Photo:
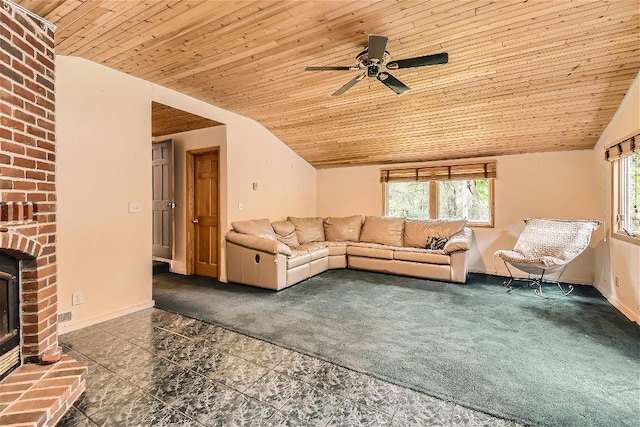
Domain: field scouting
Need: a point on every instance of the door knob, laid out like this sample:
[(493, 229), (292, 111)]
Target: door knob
[(170, 205), (195, 221)]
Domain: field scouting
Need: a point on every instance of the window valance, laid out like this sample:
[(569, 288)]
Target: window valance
[(623, 149), (451, 172)]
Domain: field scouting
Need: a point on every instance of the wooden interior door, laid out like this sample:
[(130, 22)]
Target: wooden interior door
[(206, 212), (162, 204)]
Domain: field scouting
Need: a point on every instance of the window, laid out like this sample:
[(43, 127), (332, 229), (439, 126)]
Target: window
[(629, 199), (408, 199), (626, 190), (449, 191)]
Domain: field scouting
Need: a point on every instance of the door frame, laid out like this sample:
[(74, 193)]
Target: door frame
[(190, 227)]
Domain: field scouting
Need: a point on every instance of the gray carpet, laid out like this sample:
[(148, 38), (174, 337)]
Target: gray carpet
[(563, 361)]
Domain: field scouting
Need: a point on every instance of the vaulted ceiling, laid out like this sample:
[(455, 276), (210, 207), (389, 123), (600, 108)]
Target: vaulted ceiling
[(523, 76), (167, 120)]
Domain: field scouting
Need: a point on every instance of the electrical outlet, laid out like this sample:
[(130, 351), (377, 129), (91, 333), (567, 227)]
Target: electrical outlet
[(616, 282), (76, 298)]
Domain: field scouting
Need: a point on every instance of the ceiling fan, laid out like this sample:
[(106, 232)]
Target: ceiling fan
[(374, 58)]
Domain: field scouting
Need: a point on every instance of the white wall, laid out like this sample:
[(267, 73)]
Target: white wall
[(552, 185), (615, 257), (104, 142), (103, 163), (183, 142), (286, 183)]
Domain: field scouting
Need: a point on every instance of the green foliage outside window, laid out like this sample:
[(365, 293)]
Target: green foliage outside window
[(468, 199), (633, 193), (464, 199), (408, 199)]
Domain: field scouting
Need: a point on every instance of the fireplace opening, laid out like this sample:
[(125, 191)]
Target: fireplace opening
[(9, 314)]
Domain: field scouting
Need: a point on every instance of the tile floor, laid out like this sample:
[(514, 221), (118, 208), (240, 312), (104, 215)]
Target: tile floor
[(155, 368)]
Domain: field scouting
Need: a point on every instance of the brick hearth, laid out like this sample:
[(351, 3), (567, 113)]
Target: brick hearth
[(32, 393), (39, 395)]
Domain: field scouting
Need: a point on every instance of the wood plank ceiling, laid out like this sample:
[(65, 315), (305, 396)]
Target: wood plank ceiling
[(523, 76), (167, 120)]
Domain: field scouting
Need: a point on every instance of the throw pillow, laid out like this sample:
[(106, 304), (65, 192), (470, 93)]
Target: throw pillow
[(308, 229), (436, 243), (342, 229)]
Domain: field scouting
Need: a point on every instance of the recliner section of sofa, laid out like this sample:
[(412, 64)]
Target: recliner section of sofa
[(280, 254)]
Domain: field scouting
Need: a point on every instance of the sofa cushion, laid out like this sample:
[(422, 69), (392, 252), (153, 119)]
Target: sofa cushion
[(255, 227), (342, 229), (315, 249), (298, 258), (286, 233), (425, 256), (308, 229), (364, 251), (417, 231), (337, 248), (283, 227), (382, 230)]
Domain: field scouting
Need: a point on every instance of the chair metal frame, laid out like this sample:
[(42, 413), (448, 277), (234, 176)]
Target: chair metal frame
[(536, 281)]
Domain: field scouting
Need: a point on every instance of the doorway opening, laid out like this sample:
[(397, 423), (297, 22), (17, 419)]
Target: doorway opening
[(172, 225)]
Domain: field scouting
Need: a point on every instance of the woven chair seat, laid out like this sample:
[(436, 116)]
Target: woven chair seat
[(518, 258)]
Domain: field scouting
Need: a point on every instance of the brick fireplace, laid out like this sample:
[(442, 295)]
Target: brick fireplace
[(28, 172), (28, 206)]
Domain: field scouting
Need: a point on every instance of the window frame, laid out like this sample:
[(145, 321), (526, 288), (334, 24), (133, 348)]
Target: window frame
[(433, 202), (619, 200)]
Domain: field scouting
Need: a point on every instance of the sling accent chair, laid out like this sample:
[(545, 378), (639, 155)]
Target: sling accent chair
[(547, 246)]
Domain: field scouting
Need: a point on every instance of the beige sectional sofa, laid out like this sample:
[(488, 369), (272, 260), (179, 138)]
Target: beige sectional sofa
[(283, 253)]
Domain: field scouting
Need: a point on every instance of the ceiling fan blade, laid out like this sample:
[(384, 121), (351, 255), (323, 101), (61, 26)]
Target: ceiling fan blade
[(377, 46), (329, 68), (419, 61), (349, 84), (394, 84)]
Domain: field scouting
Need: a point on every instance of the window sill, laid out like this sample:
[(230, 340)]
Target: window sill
[(625, 237), (480, 225)]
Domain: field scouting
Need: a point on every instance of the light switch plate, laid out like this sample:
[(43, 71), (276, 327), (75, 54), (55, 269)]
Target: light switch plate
[(135, 207)]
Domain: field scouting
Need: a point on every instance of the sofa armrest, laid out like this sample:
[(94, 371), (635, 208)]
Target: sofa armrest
[(460, 241), (258, 243)]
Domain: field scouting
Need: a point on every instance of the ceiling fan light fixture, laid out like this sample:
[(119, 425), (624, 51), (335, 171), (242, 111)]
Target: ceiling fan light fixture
[(375, 57)]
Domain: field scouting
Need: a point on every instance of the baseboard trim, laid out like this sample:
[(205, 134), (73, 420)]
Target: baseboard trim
[(70, 327), (622, 308)]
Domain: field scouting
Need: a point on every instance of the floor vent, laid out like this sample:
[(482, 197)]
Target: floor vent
[(64, 317)]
